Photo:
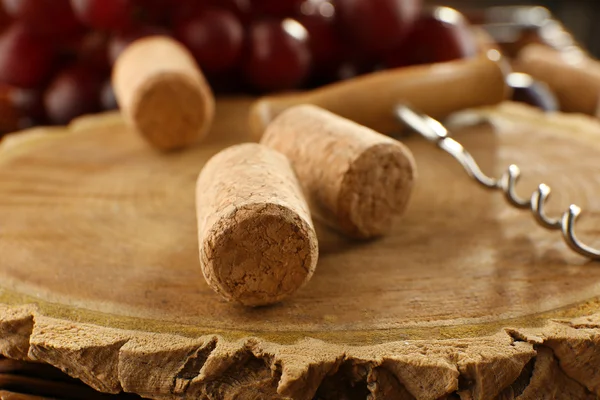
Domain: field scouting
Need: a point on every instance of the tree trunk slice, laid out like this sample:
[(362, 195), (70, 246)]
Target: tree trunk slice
[(468, 298)]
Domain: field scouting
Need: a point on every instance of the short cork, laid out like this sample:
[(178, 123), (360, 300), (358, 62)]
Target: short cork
[(356, 180), (162, 93), (256, 236)]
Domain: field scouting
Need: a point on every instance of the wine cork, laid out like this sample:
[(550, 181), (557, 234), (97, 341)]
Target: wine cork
[(256, 236), (162, 93), (355, 179)]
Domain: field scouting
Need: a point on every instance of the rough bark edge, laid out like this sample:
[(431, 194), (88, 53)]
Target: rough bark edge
[(167, 366)]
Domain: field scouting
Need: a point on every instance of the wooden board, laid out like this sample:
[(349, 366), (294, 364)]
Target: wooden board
[(467, 298)]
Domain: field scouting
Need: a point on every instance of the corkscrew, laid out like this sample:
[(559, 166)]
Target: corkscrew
[(435, 132)]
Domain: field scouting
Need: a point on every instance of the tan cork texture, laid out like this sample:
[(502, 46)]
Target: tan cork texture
[(356, 179), (256, 237), (162, 93)]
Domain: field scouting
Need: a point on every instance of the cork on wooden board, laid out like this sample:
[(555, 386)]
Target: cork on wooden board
[(162, 93), (257, 242), (356, 180)]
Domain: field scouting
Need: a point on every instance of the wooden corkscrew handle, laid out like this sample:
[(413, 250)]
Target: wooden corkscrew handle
[(571, 74), (369, 100)]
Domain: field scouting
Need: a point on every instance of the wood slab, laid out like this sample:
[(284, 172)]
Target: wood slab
[(468, 298)]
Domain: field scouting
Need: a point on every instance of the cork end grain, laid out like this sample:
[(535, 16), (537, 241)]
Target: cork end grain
[(171, 111), (357, 180), (263, 257), (162, 93), (376, 190), (256, 238)]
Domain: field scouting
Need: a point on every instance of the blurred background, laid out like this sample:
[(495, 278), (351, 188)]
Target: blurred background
[(578, 16), (56, 56)]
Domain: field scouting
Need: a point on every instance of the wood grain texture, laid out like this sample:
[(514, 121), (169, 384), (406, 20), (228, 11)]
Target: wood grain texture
[(467, 298)]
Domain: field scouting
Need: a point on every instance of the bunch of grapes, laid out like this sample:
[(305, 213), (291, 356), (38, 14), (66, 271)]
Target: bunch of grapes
[(56, 55)]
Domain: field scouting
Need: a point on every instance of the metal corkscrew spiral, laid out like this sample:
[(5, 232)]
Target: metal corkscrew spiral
[(436, 133)]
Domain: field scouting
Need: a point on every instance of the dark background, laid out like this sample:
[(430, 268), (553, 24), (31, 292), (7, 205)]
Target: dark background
[(581, 17)]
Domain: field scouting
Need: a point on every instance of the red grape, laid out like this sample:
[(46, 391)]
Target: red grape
[(104, 14), (354, 65), (241, 8), (184, 9), (323, 9), (277, 55), (90, 49), (4, 18), (9, 114), (278, 8), (19, 108), (94, 51), (377, 25), (229, 82), (119, 42), (51, 17), (214, 37), (325, 44), (153, 11), (441, 34), (28, 102), (73, 92), (108, 100), (25, 59)]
